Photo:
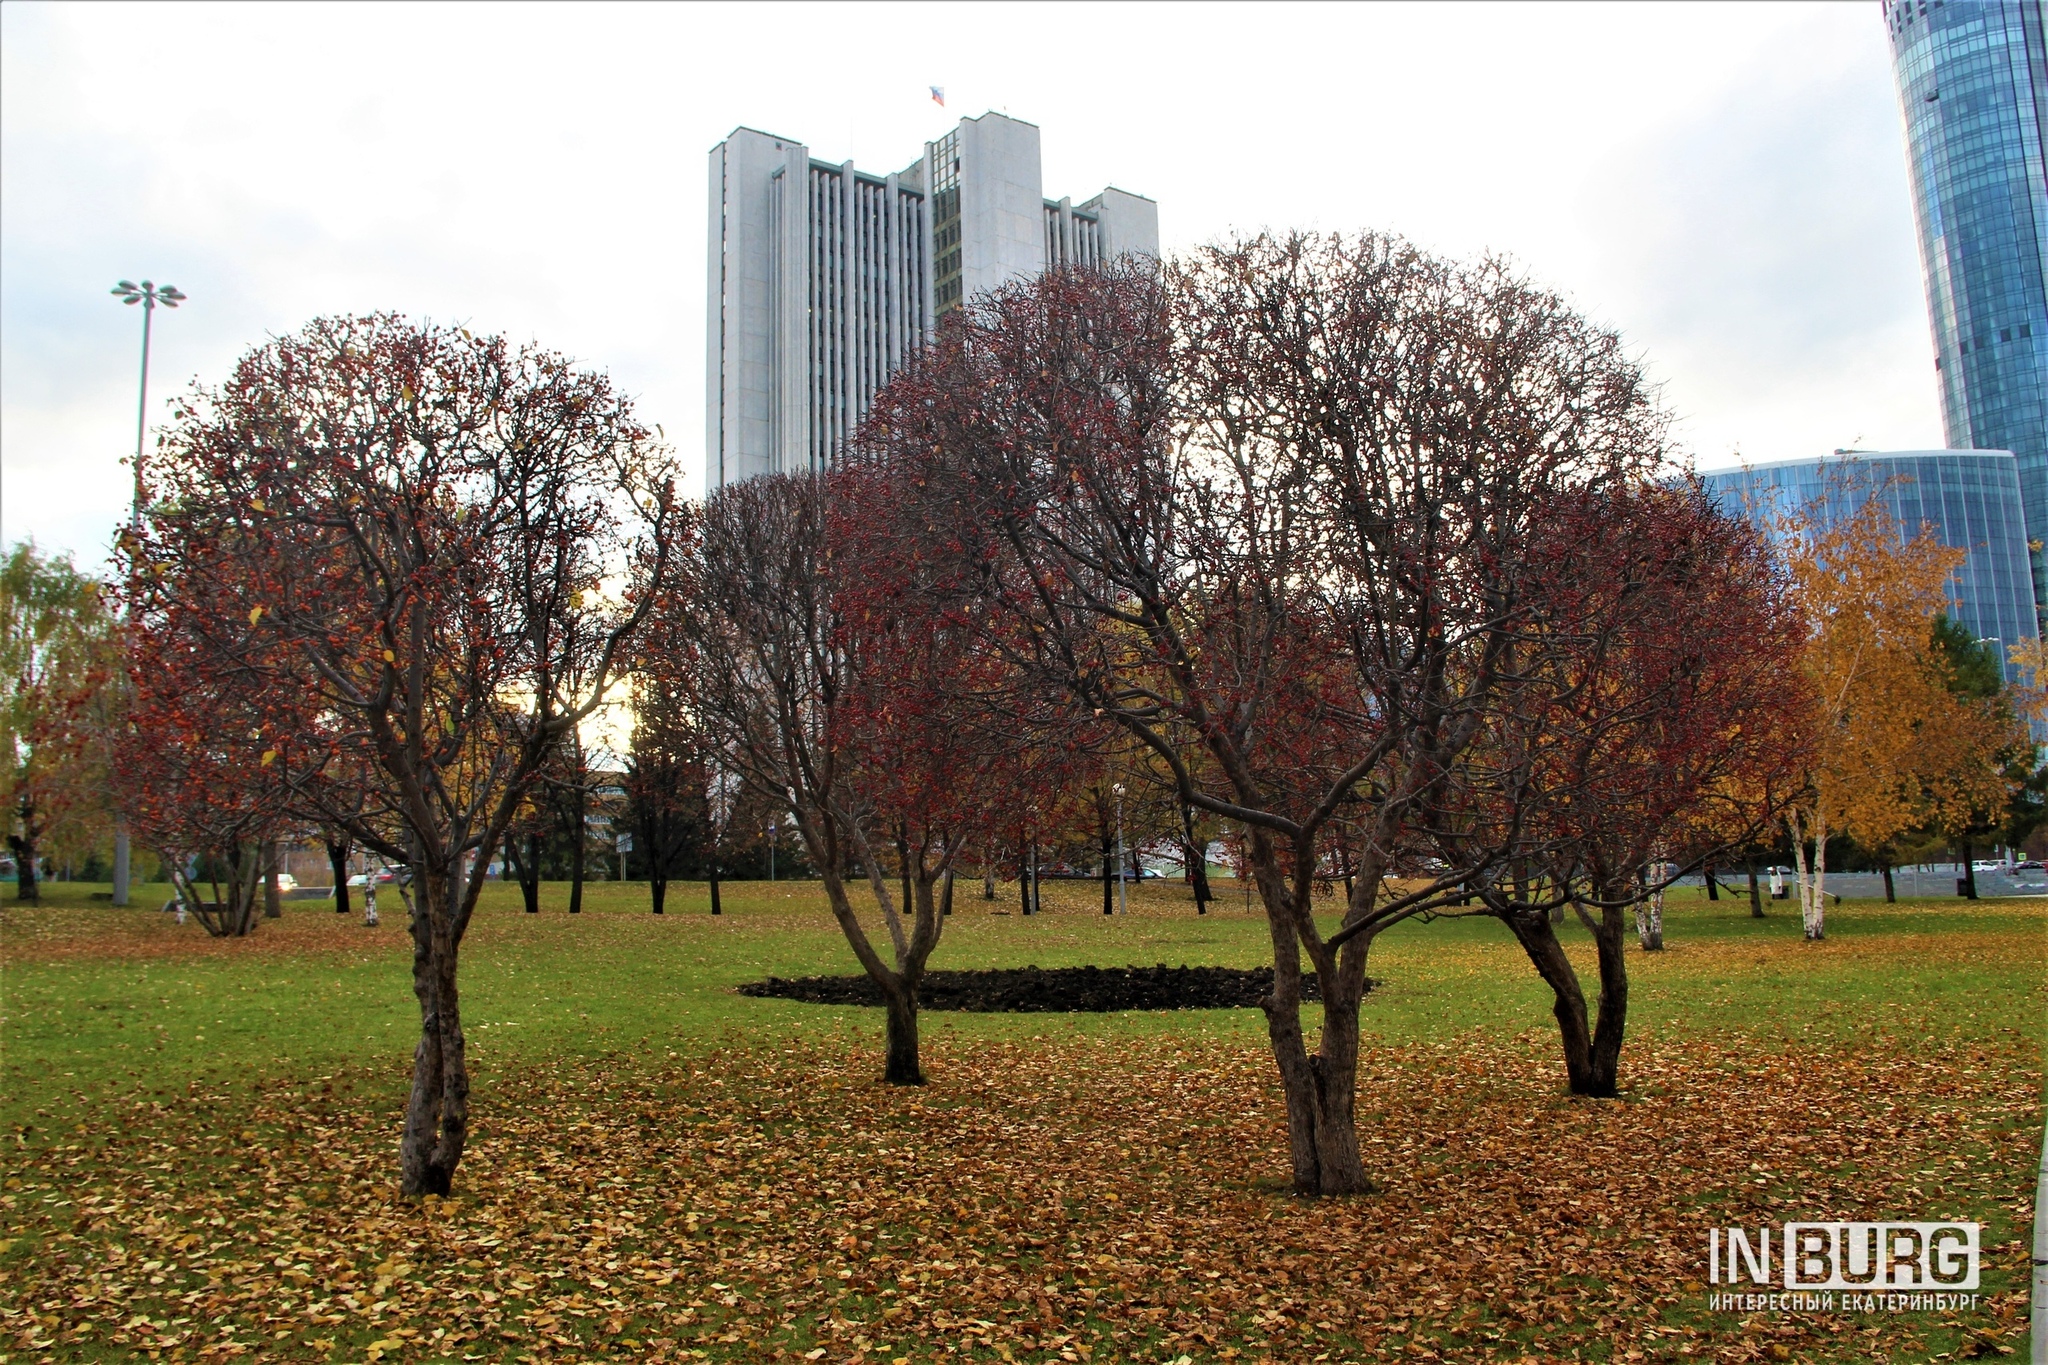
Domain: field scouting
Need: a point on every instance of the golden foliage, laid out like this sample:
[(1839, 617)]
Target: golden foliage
[(1895, 745)]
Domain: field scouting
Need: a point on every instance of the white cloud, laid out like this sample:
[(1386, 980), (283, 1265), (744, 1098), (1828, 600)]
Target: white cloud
[(1723, 183)]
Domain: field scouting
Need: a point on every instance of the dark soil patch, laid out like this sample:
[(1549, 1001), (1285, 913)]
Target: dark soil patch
[(1030, 990)]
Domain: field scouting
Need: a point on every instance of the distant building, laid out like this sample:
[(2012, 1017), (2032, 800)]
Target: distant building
[(822, 277), (1973, 83), (1971, 499)]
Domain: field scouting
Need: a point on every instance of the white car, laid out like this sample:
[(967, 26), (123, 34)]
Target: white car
[(286, 882)]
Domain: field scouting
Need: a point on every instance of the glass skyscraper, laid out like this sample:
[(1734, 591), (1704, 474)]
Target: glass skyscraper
[(1973, 81), (1969, 498)]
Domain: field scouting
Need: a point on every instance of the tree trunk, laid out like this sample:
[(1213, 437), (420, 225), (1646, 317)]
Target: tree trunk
[(716, 908), (337, 858), (1890, 896), (1812, 876), (902, 1067), (120, 858), (271, 908), (576, 850), (1320, 1089), (1756, 894), (24, 847), (1539, 940), (437, 1111), (988, 877), (1290, 1054), (1969, 871), (1334, 1069), (1817, 926), (657, 887), (248, 883), (1713, 887), (1108, 863), (1024, 875), (1613, 1016), (1198, 870), (529, 875), (946, 904), (903, 865), (1650, 922)]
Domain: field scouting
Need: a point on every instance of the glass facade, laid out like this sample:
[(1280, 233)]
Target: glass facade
[(1970, 498), (1973, 84)]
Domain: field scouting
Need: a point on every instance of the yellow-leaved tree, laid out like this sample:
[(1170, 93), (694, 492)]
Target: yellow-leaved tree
[(1894, 744)]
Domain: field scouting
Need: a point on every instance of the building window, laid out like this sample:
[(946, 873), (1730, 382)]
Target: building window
[(946, 287)]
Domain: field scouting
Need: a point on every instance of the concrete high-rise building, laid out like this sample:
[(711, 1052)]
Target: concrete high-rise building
[(1970, 499), (823, 277), (1973, 82)]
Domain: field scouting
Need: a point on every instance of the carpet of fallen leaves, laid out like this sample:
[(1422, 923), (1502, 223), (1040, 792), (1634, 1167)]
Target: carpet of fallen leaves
[(1045, 1199)]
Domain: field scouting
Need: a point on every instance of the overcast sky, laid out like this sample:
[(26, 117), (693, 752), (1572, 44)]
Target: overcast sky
[(1725, 184)]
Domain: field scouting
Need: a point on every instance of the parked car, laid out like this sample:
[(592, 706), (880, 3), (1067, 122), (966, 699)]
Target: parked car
[(286, 882), (385, 877), (2028, 866)]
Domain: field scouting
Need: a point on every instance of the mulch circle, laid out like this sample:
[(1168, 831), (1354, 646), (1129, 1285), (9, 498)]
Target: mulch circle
[(1065, 990)]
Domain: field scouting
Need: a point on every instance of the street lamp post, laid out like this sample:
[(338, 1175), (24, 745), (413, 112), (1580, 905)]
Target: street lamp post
[(1122, 905), (149, 296)]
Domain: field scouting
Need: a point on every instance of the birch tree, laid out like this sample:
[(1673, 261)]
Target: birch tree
[(1869, 603)]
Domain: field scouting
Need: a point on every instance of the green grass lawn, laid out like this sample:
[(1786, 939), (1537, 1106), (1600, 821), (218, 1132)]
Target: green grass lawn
[(97, 995), (118, 1023)]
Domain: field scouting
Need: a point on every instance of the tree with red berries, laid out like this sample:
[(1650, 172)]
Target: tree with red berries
[(822, 685), (1274, 507), (439, 548), (1651, 718)]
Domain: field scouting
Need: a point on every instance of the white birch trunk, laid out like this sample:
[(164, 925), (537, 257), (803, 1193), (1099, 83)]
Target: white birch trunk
[(1801, 873), (1816, 921), (1812, 876), (1650, 922)]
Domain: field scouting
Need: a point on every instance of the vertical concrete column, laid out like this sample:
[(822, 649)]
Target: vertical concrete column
[(849, 363)]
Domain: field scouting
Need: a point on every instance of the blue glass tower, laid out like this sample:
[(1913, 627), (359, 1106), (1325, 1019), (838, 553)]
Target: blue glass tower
[(1973, 81), (1968, 498)]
